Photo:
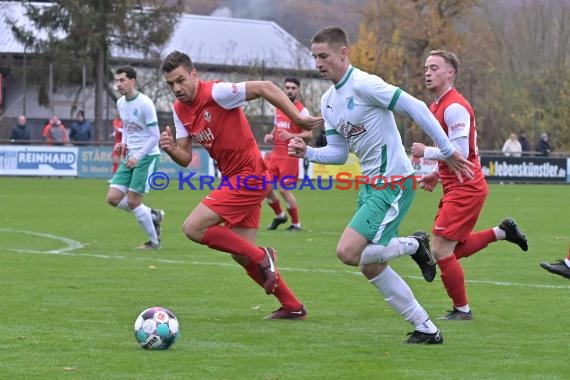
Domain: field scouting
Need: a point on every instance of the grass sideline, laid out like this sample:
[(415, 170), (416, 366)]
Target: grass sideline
[(70, 314)]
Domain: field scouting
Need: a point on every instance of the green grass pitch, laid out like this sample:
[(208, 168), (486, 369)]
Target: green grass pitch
[(67, 311)]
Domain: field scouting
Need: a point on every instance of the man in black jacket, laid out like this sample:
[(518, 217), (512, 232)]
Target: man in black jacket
[(20, 134)]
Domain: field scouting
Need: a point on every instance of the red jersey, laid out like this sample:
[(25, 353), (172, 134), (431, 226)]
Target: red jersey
[(283, 123), (448, 178), (224, 133), (117, 130)]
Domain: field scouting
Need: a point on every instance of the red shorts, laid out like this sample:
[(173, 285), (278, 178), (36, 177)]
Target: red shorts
[(457, 214), (281, 167), (236, 205)]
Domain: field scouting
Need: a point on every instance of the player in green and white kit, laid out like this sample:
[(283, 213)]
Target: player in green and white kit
[(357, 111), (140, 143)]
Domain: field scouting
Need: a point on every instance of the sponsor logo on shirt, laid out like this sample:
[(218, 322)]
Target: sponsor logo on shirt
[(348, 130), (133, 127), (282, 124), (204, 137)]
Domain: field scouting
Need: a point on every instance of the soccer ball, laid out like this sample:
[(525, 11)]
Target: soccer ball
[(156, 328)]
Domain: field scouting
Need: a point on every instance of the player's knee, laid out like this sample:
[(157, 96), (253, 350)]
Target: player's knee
[(441, 248), (113, 200), (347, 256), (191, 232)]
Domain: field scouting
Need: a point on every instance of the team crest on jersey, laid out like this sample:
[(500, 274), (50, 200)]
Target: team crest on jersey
[(207, 116), (135, 112), (350, 102), (349, 130)]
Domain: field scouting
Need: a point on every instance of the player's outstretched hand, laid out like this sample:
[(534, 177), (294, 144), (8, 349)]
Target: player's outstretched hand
[(429, 181), (297, 147), (166, 141), (460, 166)]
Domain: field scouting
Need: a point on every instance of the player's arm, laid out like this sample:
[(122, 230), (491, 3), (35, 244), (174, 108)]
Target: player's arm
[(181, 150), (458, 120), (304, 134), (273, 94), (334, 153), (418, 111)]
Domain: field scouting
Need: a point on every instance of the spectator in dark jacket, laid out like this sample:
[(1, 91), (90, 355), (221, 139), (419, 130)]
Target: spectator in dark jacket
[(80, 131), (525, 146), (20, 134), (543, 146)]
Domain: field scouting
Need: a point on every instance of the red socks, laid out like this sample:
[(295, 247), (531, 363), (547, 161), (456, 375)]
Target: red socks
[(294, 212), (474, 243), (453, 279), (223, 239), (276, 207), (282, 292)]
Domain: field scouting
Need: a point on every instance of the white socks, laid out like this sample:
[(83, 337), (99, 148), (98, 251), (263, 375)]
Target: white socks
[(375, 253), (499, 233), (464, 308), (399, 295), (144, 217)]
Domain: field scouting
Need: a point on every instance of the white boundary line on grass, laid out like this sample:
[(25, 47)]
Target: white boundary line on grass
[(73, 245)]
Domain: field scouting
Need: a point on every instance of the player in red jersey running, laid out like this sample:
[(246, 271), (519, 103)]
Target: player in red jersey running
[(118, 137), (209, 113), (461, 203), (281, 166)]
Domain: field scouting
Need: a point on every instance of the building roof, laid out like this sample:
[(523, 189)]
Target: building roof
[(208, 40)]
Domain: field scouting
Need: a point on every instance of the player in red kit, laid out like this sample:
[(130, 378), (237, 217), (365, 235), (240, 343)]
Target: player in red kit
[(282, 166), (117, 136), (461, 203), (227, 219)]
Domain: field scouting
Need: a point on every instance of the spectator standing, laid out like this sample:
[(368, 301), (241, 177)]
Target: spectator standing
[(55, 132), (524, 143), (543, 145), (81, 130), (512, 146), (20, 133)]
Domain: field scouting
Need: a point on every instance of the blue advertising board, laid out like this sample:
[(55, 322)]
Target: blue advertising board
[(96, 162), (26, 160)]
